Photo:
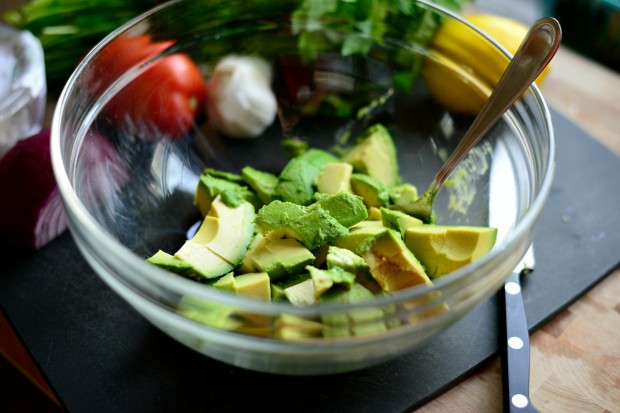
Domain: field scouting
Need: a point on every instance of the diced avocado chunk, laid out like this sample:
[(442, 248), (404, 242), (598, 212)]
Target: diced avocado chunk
[(363, 321), (345, 259), (313, 227), (372, 191), (281, 257), (301, 294), (221, 241), (229, 176), (346, 208), (256, 285), (204, 261), (277, 215), (296, 181), (263, 183), (294, 147), (374, 213), (211, 314), (374, 154), (209, 187), (398, 221), (359, 234), (323, 280), (403, 194), (443, 249), (335, 178), (292, 327), (173, 264), (227, 282), (392, 264)]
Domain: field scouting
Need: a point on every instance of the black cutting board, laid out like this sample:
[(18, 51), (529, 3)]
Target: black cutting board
[(100, 355)]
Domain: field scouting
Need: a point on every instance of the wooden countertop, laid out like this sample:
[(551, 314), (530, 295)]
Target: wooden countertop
[(575, 358)]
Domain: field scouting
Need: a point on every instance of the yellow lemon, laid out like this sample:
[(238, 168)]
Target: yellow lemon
[(465, 67)]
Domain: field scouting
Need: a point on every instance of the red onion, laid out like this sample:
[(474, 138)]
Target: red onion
[(31, 210)]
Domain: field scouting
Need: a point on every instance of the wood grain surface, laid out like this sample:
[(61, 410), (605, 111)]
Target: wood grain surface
[(575, 358)]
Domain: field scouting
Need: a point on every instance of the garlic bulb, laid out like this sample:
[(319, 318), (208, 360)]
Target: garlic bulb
[(240, 102)]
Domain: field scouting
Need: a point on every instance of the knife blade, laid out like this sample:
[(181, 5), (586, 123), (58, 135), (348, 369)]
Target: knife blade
[(514, 343)]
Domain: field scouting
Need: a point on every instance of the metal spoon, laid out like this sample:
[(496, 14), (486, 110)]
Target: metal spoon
[(534, 54)]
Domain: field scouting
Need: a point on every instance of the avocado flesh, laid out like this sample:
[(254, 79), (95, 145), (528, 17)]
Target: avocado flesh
[(221, 241), (315, 225), (281, 258), (346, 208), (226, 282), (403, 194), (301, 294), (359, 234), (323, 280), (335, 178), (256, 285), (345, 259), (443, 249), (173, 264), (374, 154), (398, 221), (292, 327), (263, 183), (209, 187), (356, 322), (296, 181), (211, 314), (372, 191), (392, 264)]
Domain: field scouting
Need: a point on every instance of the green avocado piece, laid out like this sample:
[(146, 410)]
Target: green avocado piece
[(316, 228), (209, 187), (292, 327), (403, 194), (345, 259), (372, 191), (294, 147), (374, 213), (204, 261), (281, 257), (221, 241), (296, 181), (392, 264), (277, 215), (313, 226), (215, 315), (263, 183), (173, 264), (334, 178), (443, 249), (256, 285), (374, 154), (323, 280), (229, 176), (359, 234), (346, 208), (227, 282), (398, 221), (363, 321), (301, 294)]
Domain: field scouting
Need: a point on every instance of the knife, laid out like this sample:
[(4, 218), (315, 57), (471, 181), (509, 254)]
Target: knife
[(515, 341), (514, 338)]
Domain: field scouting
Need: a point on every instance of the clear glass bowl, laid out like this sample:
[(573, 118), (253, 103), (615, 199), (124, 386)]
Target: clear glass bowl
[(126, 196)]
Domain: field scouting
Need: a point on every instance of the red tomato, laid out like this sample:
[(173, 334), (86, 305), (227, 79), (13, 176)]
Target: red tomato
[(164, 99)]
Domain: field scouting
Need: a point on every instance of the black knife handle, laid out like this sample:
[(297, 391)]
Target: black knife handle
[(516, 349)]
